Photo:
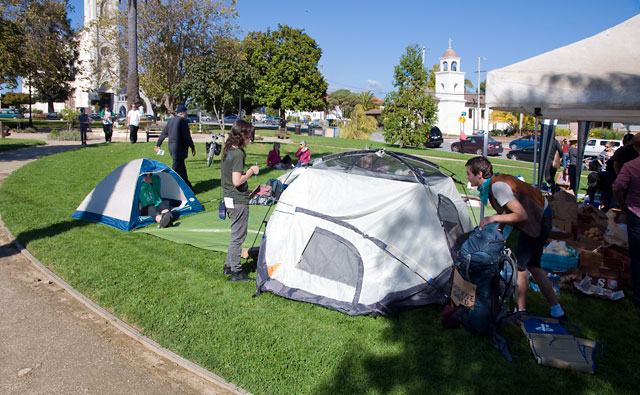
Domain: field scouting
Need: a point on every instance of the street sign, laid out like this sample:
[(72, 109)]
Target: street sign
[(464, 114), (461, 119)]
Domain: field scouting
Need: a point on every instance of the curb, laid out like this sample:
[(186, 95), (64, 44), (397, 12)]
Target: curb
[(123, 326)]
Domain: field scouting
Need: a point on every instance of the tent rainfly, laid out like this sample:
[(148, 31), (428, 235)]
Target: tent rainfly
[(364, 232), (114, 201)]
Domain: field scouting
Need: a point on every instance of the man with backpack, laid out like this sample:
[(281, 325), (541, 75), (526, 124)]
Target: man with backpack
[(522, 206)]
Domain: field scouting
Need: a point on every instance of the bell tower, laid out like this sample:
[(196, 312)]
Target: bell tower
[(450, 92)]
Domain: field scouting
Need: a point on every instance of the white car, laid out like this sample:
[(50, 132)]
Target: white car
[(595, 146)]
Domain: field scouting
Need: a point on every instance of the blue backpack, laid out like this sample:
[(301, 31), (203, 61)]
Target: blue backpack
[(484, 262)]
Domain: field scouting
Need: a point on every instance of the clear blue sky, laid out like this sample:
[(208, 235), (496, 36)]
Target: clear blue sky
[(362, 41)]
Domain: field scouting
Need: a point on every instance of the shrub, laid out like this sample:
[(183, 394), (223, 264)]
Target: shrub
[(65, 135), (607, 134), (563, 132)]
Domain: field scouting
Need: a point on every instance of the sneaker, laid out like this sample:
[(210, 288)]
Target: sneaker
[(239, 276), (165, 220), (226, 270), (563, 319)]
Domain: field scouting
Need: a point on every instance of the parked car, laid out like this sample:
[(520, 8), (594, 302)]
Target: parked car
[(315, 123), (193, 118), (151, 118), (272, 121), (53, 116), (230, 118), (524, 154), (95, 116), (522, 142), (474, 144), (435, 138), (595, 146), (10, 113)]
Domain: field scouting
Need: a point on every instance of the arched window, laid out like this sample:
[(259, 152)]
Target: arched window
[(454, 66), (445, 66)]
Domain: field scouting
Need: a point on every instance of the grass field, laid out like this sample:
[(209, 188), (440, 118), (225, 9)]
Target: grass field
[(177, 295)]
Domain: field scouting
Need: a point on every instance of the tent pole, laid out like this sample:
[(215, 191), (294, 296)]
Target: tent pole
[(535, 150)]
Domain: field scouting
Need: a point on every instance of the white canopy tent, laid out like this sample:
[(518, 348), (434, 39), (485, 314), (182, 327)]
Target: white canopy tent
[(596, 79)]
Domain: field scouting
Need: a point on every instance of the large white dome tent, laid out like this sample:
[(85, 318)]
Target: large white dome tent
[(364, 232)]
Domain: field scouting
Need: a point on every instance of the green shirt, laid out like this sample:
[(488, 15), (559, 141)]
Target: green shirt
[(150, 192), (234, 162)]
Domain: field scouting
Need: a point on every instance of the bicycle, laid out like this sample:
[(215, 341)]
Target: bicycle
[(214, 147)]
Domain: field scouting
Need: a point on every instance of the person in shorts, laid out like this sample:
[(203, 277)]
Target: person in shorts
[(524, 207)]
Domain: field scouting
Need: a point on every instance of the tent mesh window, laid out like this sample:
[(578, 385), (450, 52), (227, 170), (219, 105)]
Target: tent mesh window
[(332, 257), (448, 213), (380, 164)]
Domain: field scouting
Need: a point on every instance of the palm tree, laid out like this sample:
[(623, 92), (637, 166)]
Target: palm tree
[(133, 82), (366, 100)]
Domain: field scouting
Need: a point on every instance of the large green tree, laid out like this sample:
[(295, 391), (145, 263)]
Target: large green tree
[(287, 62), (15, 99), (216, 80), (170, 33), (49, 61), (343, 99), (11, 46), (409, 111)]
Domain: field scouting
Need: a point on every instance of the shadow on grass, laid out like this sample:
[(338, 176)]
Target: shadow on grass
[(27, 237), (430, 359)]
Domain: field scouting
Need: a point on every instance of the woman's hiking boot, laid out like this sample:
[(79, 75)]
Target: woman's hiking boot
[(239, 276)]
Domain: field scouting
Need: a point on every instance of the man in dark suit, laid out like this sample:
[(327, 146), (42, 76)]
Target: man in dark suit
[(177, 129)]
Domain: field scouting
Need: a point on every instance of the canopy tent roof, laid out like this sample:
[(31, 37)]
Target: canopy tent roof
[(596, 79)]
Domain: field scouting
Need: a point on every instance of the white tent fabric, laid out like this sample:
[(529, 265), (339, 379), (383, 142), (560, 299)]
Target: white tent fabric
[(596, 79), (114, 201), (356, 243)]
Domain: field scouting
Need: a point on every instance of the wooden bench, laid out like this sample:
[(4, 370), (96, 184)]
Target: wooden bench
[(152, 132)]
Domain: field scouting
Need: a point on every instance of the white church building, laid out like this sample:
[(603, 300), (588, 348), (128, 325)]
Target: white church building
[(99, 81), (457, 110)]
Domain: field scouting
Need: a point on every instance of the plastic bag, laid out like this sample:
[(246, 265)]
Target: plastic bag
[(616, 233)]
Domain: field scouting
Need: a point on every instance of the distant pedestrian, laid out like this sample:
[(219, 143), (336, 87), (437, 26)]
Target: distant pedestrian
[(133, 121), (83, 120), (107, 123), (565, 153), (177, 129)]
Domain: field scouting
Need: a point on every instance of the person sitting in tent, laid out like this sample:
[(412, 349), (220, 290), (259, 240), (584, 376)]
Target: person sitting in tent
[(274, 160), (303, 154), (151, 203)]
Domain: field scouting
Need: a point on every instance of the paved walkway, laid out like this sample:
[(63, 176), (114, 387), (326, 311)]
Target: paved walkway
[(55, 342)]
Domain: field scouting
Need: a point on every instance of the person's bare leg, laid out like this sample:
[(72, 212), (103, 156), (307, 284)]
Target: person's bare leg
[(522, 290), (545, 285)]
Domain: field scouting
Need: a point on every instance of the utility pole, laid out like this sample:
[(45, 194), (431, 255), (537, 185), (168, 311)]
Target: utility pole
[(478, 117)]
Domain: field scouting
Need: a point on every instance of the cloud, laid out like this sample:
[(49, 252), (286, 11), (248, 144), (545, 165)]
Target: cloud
[(373, 85)]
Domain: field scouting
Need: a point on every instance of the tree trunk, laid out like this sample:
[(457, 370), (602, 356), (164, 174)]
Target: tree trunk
[(133, 83)]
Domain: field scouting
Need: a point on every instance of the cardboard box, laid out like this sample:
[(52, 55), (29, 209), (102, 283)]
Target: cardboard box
[(606, 278)]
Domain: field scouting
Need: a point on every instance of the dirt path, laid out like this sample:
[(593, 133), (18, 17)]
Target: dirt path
[(53, 343)]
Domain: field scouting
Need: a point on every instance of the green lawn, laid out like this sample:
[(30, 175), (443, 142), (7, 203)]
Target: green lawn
[(8, 144), (177, 295)]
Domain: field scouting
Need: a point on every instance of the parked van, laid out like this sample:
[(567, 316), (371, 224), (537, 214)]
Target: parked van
[(595, 146)]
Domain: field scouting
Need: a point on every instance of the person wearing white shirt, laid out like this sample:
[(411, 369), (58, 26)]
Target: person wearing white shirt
[(133, 121)]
